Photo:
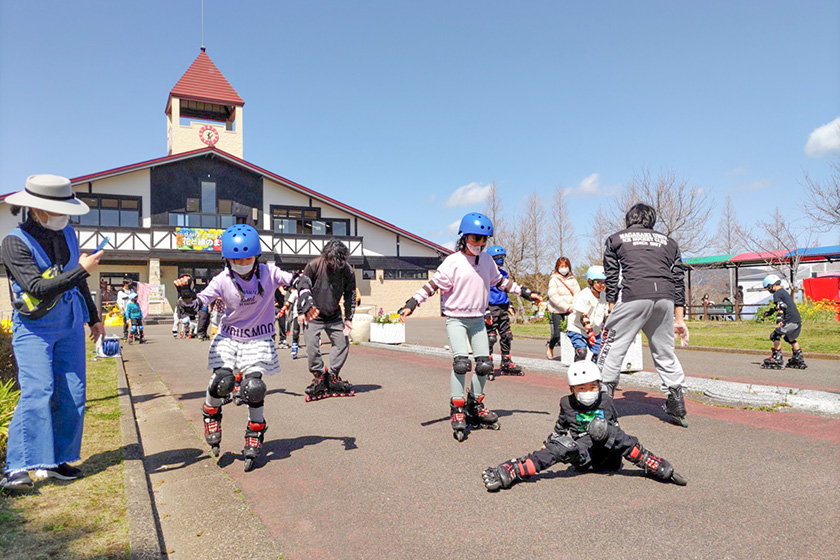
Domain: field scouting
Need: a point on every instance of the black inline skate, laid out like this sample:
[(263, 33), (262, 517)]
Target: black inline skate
[(775, 361), (213, 427), (317, 390), (458, 418), (508, 473), (338, 387), (654, 466), (478, 416), (797, 361), (254, 434), (509, 367), (675, 406)]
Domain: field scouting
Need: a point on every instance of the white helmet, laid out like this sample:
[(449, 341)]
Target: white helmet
[(582, 372), (770, 280)]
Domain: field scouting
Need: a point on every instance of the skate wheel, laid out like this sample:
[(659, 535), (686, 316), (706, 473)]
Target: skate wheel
[(249, 464), (237, 401), (460, 435), (678, 479), (681, 422), (495, 426), (214, 450)]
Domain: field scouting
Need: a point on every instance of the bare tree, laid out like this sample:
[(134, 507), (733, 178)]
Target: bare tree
[(822, 199), (494, 209), (778, 237), (562, 240), (531, 226), (682, 212), (601, 228), (729, 237)]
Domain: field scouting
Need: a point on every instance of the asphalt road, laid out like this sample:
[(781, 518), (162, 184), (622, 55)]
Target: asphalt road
[(379, 475)]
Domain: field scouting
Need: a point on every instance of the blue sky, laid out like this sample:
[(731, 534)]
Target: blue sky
[(393, 106)]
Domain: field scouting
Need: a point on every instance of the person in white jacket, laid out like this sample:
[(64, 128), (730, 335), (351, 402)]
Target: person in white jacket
[(562, 289), (588, 315)]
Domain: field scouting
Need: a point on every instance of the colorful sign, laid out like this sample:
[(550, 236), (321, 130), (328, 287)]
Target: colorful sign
[(195, 239), (157, 294)]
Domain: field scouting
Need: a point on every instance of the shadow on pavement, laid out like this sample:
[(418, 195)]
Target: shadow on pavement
[(499, 413), (639, 403), (279, 449), (166, 461)]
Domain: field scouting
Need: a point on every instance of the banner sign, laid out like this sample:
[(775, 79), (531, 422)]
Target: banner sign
[(157, 294), (195, 239)]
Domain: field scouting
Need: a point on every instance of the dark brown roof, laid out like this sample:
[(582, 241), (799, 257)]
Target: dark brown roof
[(204, 82)]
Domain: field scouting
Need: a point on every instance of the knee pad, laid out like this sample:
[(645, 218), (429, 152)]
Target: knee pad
[(775, 335), (483, 365), (492, 338), (603, 432), (253, 391), (564, 448), (580, 354), (461, 365), (789, 340), (221, 383)]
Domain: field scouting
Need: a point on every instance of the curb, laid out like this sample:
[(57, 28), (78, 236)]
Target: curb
[(724, 392), (143, 531)]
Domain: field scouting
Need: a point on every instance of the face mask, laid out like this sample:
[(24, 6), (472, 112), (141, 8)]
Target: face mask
[(500, 261), (563, 271), (56, 223), (474, 249), (587, 398), (242, 269)]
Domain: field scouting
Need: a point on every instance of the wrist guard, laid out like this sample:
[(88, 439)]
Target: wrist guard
[(410, 304)]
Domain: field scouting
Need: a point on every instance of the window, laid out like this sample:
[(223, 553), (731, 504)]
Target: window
[(208, 197), (368, 274), (207, 212), (303, 220), (405, 274), (109, 211)]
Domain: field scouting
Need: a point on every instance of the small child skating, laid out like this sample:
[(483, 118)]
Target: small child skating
[(788, 326), (244, 342), (291, 311), (332, 279), (123, 298), (586, 435), (589, 312), (134, 320), (464, 280), (497, 317)]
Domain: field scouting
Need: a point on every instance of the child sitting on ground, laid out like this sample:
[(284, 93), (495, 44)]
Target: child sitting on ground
[(586, 435), (589, 312)]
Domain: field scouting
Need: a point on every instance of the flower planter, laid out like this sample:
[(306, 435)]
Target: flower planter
[(387, 333)]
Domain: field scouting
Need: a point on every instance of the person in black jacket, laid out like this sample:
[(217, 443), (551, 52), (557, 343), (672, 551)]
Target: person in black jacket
[(332, 279), (52, 302), (586, 435), (649, 297)]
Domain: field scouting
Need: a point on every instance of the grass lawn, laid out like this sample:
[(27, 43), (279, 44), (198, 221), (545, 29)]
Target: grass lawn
[(85, 518), (820, 336)]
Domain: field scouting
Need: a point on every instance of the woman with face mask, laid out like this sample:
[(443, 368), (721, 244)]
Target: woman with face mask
[(562, 289), (52, 302), (464, 279)]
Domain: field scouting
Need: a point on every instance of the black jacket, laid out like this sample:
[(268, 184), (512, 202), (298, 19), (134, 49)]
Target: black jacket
[(21, 265), (574, 417), (643, 264), (329, 286)]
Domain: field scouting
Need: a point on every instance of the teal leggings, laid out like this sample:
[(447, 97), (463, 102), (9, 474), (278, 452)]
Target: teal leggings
[(465, 333)]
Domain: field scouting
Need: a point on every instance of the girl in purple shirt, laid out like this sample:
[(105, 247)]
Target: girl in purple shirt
[(244, 343), (464, 279)]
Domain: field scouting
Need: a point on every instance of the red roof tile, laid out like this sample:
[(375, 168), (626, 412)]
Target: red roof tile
[(204, 82)]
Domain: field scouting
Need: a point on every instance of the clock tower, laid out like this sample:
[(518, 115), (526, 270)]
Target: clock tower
[(204, 110)]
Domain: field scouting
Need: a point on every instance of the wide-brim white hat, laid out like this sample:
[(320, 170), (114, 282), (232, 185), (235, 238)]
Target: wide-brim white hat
[(51, 193)]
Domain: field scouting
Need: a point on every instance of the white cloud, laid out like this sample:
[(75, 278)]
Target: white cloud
[(740, 170), (474, 193), (591, 186), (449, 245), (454, 227), (824, 140), (754, 186)]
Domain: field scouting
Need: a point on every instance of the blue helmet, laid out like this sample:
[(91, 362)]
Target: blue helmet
[(770, 280), (476, 224), (496, 251), (241, 241), (595, 272)]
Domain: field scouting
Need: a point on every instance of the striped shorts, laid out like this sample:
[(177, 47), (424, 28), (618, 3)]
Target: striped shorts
[(244, 356)]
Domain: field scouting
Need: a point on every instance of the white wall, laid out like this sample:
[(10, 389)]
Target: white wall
[(136, 183)]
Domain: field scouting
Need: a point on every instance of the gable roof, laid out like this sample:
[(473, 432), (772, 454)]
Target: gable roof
[(204, 82), (215, 152)]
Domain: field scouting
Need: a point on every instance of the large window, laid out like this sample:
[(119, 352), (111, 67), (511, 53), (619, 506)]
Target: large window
[(110, 211), (212, 212), (303, 220)]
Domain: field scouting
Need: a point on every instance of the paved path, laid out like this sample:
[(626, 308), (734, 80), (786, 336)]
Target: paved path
[(380, 476)]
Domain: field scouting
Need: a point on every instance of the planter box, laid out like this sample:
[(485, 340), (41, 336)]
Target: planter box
[(632, 361), (387, 333)]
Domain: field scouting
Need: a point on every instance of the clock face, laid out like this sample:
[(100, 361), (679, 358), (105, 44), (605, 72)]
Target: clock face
[(208, 134)]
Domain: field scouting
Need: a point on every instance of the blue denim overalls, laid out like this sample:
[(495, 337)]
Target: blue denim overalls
[(46, 429)]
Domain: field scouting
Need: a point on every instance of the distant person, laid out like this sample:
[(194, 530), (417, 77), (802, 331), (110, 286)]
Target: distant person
[(739, 302), (788, 326), (588, 314), (650, 298), (52, 302), (727, 309), (134, 320), (123, 297), (497, 317), (562, 289)]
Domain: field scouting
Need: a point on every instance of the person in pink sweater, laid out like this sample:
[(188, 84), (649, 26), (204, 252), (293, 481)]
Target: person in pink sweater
[(464, 280)]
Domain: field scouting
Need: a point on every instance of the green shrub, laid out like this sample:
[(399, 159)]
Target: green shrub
[(8, 366), (759, 314), (8, 400)]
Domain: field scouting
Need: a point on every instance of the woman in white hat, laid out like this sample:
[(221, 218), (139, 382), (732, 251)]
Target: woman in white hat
[(52, 303)]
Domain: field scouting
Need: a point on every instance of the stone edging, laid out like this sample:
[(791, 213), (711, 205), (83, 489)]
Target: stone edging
[(143, 532)]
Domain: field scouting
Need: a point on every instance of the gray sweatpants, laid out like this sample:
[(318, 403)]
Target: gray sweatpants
[(340, 345), (656, 320)]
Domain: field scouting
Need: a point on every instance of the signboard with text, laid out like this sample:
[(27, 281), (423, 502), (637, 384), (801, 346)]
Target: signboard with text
[(197, 239)]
